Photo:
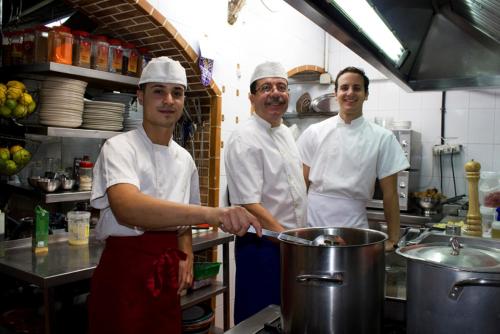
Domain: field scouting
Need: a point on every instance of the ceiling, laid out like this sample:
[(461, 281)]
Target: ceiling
[(452, 44)]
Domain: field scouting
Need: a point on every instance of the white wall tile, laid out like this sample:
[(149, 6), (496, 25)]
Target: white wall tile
[(457, 99), (430, 125), (482, 99), (456, 121), (431, 100), (482, 153), (481, 126), (497, 125), (409, 100), (496, 158), (389, 96)]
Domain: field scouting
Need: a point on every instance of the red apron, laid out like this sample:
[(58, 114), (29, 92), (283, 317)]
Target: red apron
[(134, 287)]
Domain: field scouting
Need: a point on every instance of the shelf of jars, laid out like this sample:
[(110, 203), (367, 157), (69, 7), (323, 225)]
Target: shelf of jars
[(90, 75)]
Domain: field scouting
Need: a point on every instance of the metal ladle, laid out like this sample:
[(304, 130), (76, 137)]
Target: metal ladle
[(324, 240)]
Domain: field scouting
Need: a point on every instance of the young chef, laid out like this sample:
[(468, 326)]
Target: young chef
[(264, 175), (146, 187), (342, 158)]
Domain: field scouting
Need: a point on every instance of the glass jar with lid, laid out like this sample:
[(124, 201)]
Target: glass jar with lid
[(61, 45), (6, 48), (132, 67), (41, 44), (100, 53), (115, 58), (16, 44), (29, 46), (144, 58), (85, 175), (82, 48)]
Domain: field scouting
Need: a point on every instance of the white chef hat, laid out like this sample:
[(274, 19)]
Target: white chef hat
[(269, 69), (164, 70)]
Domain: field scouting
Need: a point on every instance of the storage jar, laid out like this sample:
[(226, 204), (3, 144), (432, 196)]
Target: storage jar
[(115, 58), (78, 227), (100, 53), (61, 45), (16, 45), (82, 48), (41, 44), (29, 46), (6, 48)]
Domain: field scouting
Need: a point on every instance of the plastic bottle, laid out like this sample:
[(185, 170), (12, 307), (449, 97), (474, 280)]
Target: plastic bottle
[(495, 227)]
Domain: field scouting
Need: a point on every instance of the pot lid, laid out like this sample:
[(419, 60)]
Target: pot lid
[(464, 257)]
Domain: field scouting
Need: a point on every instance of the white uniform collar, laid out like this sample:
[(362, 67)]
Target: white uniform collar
[(265, 124), (148, 140), (355, 123)]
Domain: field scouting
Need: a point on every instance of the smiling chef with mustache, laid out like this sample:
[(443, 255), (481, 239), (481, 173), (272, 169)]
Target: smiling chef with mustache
[(264, 175), (344, 155)]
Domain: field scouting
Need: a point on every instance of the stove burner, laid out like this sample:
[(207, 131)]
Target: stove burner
[(271, 327)]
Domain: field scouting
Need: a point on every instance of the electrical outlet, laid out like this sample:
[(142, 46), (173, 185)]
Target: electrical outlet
[(446, 149)]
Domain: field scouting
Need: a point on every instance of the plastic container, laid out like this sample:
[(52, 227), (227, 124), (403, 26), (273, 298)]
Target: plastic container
[(100, 53), (489, 189), (132, 67), (487, 217), (78, 227), (82, 48), (41, 44), (61, 45), (495, 227), (85, 175), (29, 46), (115, 58)]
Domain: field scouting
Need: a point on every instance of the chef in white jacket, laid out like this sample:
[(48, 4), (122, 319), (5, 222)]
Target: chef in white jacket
[(342, 158), (264, 175)]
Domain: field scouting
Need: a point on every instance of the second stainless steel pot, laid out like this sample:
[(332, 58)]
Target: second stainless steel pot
[(452, 288), (333, 289)]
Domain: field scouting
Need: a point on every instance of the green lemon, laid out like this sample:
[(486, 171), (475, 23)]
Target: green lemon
[(31, 107), (4, 153), (20, 111), (14, 148), (10, 167), (10, 103), (4, 111), (22, 157)]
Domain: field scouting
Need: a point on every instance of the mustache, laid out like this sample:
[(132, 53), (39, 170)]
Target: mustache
[(275, 99)]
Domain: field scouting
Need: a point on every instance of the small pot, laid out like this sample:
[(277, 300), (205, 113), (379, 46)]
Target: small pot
[(452, 288)]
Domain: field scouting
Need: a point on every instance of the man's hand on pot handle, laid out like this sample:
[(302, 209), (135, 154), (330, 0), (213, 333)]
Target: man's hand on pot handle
[(236, 220)]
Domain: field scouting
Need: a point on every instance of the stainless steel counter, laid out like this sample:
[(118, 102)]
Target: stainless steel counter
[(406, 218), (66, 263)]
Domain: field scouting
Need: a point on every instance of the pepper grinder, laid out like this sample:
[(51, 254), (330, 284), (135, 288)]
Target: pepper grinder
[(473, 224)]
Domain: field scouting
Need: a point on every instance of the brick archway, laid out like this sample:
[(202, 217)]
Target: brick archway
[(138, 22)]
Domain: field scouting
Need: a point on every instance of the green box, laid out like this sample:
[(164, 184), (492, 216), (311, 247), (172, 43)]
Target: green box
[(204, 270)]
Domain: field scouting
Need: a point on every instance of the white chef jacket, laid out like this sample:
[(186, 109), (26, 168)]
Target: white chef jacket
[(263, 166), (344, 160), (164, 172)]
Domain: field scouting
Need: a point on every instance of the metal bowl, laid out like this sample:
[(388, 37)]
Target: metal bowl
[(49, 185), (428, 202), (33, 181), (67, 184)]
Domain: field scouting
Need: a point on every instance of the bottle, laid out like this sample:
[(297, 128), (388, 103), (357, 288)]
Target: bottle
[(85, 178), (495, 227)]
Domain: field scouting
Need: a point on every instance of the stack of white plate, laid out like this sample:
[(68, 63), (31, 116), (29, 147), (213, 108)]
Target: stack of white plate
[(131, 124), (102, 115), (117, 97), (61, 102)]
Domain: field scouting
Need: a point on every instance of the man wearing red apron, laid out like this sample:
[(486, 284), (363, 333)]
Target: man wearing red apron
[(147, 189)]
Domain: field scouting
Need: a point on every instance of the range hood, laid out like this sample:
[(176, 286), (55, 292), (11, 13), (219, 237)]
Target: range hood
[(452, 44)]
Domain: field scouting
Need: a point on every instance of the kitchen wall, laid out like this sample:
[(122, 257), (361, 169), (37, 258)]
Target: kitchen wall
[(272, 30)]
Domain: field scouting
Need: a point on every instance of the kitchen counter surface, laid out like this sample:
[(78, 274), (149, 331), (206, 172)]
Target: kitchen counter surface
[(407, 218)]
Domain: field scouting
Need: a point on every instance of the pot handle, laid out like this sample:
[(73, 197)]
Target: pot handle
[(335, 278), (457, 288)]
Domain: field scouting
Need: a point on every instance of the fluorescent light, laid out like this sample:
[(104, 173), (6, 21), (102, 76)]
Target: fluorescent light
[(367, 20), (57, 22)]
